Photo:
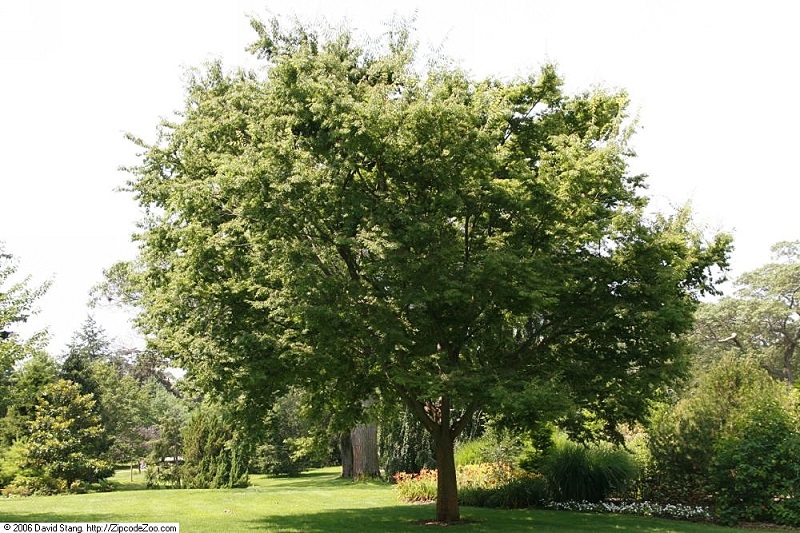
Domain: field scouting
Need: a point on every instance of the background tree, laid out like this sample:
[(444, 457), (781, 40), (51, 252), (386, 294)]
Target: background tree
[(364, 444), (165, 438), (124, 384), (216, 452), (26, 383), (167, 447), (17, 300), (404, 445), (760, 320), (372, 231), (67, 440), (88, 345), (149, 366), (730, 441), (25, 386), (17, 305), (291, 441), (126, 408)]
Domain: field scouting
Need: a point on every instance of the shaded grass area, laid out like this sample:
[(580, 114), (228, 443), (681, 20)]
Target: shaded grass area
[(318, 501)]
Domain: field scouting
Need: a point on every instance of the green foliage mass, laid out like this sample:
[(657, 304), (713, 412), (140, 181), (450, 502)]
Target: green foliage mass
[(403, 444), (132, 393), (168, 444), (17, 305), (579, 472), (25, 384), (88, 345), (347, 219), (760, 320), (755, 471), (11, 460), (67, 440), (127, 408), (290, 441), (731, 441), (216, 452), (353, 224), (494, 446)]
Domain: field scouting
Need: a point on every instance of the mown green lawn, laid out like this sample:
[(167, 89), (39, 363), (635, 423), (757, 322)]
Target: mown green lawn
[(318, 501)]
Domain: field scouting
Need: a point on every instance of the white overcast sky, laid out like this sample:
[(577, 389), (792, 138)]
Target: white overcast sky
[(715, 85)]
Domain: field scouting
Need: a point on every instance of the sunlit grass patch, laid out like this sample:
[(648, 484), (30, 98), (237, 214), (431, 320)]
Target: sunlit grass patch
[(318, 501)]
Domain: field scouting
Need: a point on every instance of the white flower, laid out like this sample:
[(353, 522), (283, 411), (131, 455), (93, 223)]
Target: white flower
[(684, 512)]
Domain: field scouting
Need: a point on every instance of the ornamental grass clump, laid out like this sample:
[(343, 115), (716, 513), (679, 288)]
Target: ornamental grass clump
[(578, 472)]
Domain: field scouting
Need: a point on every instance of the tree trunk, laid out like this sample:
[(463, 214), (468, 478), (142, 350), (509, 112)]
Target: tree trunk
[(446, 486), (346, 451), (436, 418), (364, 440), (788, 355)]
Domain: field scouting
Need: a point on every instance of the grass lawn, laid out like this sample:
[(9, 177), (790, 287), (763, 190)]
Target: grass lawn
[(318, 501)]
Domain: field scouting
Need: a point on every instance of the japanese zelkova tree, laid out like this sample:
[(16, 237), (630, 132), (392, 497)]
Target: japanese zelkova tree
[(374, 230)]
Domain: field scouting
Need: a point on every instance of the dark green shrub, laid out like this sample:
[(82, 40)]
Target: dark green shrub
[(786, 511), (707, 433), (578, 472), (215, 451), (755, 472), (475, 496), (164, 475), (531, 490)]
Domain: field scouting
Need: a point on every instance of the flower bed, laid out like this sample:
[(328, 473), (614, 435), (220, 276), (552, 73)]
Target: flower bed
[(675, 511), (483, 485), (422, 486), (501, 485)]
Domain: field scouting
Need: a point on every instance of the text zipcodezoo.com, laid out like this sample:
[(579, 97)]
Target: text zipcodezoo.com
[(89, 527)]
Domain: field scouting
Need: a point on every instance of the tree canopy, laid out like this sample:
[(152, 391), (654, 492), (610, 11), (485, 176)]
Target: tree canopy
[(67, 439), (760, 319), (17, 304), (367, 228)]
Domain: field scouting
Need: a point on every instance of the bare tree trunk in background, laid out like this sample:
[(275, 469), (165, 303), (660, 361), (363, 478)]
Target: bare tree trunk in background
[(364, 439), (346, 451)]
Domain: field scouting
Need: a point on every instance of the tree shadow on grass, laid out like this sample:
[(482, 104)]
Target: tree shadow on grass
[(383, 519), (418, 518), (310, 479), (415, 518)]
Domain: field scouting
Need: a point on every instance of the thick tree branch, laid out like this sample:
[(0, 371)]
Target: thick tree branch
[(418, 408)]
